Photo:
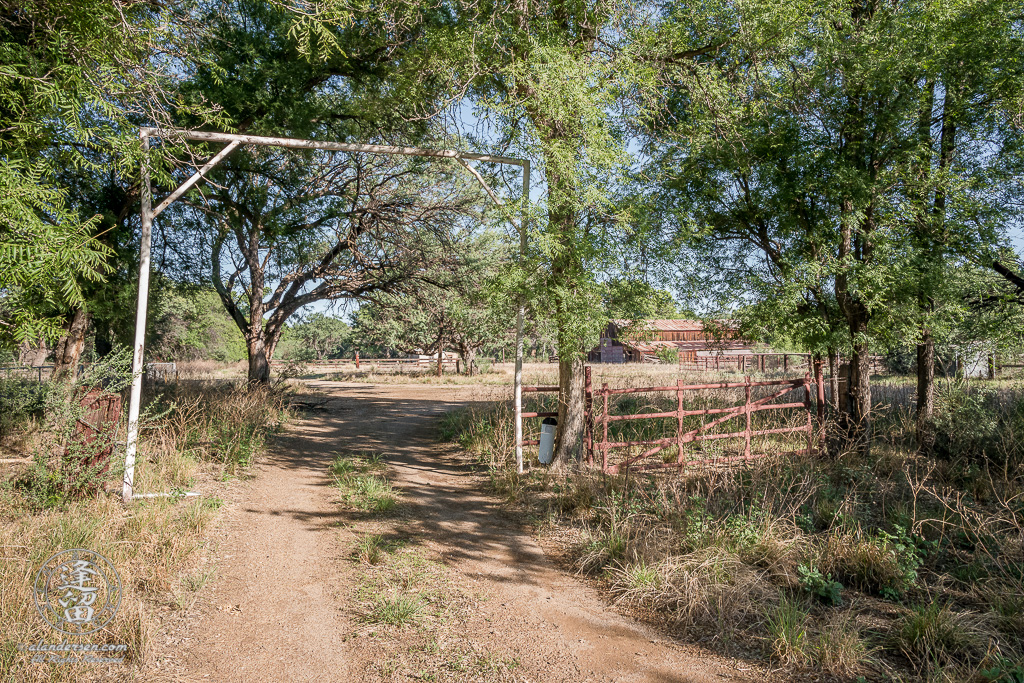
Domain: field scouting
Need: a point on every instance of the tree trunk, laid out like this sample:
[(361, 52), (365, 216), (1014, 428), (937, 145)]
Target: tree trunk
[(259, 359), (855, 245), (833, 380), (925, 393), (468, 354), (571, 408), (68, 351), (858, 398)]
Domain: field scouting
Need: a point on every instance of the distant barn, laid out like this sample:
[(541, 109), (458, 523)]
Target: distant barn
[(634, 341)]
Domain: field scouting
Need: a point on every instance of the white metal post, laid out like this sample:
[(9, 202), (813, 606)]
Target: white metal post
[(140, 324), (233, 141), (518, 387)]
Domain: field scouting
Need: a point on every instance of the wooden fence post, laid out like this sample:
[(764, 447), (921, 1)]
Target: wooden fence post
[(819, 381), (357, 360)]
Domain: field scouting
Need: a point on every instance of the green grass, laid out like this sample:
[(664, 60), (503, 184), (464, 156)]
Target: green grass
[(370, 549), (788, 638), (396, 610), (356, 477)]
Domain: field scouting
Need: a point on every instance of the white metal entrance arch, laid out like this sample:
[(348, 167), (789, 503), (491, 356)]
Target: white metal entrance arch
[(233, 141)]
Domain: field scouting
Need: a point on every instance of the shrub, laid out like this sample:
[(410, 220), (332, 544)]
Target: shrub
[(885, 564), (69, 461), (966, 422), (668, 355), (822, 587), (20, 401)]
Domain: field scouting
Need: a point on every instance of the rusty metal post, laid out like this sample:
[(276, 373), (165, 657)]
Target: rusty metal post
[(746, 415), (679, 420), (743, 363), (819, 390), (718, 366), (604, 428), (440, 355), (785, 363)]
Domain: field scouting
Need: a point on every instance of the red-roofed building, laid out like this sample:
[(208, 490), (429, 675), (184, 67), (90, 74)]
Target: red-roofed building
[(633, 341)]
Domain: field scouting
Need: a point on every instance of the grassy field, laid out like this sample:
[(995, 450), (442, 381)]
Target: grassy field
[(196, 435), (886, 565)]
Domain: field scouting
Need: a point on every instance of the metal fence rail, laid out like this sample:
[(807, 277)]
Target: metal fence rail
[(682, 436), (597, 422)]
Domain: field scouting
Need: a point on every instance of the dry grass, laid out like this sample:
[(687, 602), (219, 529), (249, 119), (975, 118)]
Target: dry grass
[(156, 545), (884, 565), (210, 370)]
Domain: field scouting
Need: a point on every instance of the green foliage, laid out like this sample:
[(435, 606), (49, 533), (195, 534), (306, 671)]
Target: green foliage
[(1004, 670), (967, 423), (315, 337), (451, 308), (75, 78), (832, 168), (70, 463), (44, 250), (668, 356), (631, 299), (20, 401), (822, 587), (191, 324)]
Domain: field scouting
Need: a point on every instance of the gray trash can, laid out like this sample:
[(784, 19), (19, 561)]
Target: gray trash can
[(547, 440)]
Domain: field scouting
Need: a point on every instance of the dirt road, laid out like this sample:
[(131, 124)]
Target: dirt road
[(282, 608)]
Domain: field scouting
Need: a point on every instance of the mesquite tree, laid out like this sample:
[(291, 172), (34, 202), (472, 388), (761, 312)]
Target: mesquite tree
[(450, 306), (283, 230)]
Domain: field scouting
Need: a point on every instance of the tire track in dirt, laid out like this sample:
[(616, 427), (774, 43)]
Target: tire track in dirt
[(277, 610)]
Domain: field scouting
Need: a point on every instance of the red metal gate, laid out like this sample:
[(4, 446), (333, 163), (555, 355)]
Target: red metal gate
[(598, 419), (702, 433)]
